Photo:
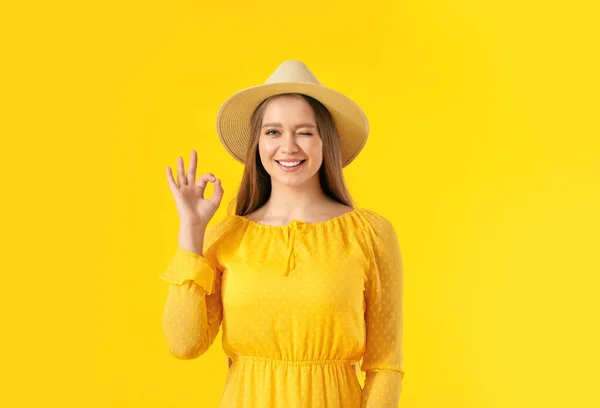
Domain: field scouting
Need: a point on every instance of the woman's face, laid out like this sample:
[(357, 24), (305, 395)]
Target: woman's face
[(289, 135)]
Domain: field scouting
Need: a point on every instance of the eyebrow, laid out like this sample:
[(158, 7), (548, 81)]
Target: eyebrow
[(297, 126)]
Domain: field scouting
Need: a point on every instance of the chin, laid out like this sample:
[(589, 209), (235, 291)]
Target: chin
[(291, 181)]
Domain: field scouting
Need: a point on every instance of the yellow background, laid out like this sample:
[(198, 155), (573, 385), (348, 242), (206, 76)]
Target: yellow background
[(483, 152)]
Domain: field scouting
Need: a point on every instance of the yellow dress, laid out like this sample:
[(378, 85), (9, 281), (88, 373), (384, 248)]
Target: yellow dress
[(299, 304)]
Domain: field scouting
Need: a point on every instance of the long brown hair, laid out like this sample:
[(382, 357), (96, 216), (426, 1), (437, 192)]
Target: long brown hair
[(255, 187)]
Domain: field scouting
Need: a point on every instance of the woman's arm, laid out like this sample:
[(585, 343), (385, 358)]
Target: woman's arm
[(193, 311), (383, 356)]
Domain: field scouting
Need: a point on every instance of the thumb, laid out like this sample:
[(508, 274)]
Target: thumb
[(217, 193)]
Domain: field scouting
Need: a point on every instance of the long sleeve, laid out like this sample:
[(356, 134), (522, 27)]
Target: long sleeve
[(382, 360), (193, 311)]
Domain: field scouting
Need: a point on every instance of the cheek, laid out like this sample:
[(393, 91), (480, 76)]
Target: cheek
[(267, 148), (314, 149)]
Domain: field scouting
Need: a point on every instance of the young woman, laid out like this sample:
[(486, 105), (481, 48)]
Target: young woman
[(307, 286)]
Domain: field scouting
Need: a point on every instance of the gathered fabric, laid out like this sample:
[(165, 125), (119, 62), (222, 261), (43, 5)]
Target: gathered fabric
[(311, 313)]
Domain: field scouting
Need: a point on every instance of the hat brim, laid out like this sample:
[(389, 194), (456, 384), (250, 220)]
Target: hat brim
[(235, 114)]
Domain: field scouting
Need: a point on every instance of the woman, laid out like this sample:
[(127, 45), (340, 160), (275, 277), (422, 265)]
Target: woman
[(307, 286)]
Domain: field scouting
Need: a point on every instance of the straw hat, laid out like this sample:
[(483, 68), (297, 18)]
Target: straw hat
[(233, 118)]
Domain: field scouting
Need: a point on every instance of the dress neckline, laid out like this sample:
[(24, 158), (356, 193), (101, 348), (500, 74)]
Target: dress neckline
[(292, 222)]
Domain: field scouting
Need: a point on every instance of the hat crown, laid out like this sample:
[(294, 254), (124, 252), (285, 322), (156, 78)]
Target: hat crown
[(292, 71)]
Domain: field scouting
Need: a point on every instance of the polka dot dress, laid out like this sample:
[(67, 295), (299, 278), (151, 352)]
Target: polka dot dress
[(305, 310)]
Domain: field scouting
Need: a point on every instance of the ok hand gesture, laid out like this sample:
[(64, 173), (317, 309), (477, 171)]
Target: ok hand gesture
[(193, 209)]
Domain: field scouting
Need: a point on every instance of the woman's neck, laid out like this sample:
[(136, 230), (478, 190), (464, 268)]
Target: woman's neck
[(306, 202), (295, 201)]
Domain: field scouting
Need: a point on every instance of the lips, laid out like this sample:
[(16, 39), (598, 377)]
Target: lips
[(290, 168)]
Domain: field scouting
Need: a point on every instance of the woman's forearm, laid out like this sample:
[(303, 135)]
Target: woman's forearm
[(192, 238)]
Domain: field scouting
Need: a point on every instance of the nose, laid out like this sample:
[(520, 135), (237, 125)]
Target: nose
[(288, 143)]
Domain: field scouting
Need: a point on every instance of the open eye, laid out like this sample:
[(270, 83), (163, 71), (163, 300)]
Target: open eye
[(268, 132)]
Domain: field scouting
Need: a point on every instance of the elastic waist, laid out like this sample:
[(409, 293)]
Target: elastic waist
[(293, 362)]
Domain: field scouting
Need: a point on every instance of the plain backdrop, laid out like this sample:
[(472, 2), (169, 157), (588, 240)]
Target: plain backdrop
[(483, 153)]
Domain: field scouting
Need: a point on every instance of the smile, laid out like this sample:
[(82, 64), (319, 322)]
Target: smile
[(290, 165)]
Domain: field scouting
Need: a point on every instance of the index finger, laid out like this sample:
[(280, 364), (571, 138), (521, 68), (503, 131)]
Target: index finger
[(203, 181)]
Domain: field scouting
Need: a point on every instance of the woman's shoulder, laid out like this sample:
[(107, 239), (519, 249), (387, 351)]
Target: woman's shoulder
[(376, 222), (372, 216), (220, 227)]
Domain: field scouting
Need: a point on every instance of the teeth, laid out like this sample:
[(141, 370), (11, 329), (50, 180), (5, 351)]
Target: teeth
[(289, 164)]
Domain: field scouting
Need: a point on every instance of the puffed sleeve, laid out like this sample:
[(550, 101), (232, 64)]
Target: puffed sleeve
[(382, 359), (193, 310)]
